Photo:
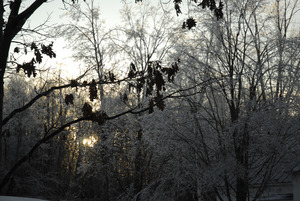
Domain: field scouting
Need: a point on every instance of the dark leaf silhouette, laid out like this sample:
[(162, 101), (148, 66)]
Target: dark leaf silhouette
[(17, 50), (45, 49), (48, 50), (153, 81), (87, 110), (93, 90), (33, 46), (219, 11), (177, 9), (189, 23), (177, 6), (99, 117), (159, 80), (69, 99), (111, 76), (211, 4), (131, 74), (74, 83), (28, 67), (37, 53), (171, 72)]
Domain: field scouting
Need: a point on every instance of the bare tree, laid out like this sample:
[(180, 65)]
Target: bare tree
[(239, 57)]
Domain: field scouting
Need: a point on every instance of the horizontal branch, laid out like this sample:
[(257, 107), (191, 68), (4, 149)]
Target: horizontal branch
[(26, 157), (45, 93), (32, 101), (8, 175)]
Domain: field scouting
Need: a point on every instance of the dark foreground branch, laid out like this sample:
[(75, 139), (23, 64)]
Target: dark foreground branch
[(9, 174), (26, 157), (49, 91)]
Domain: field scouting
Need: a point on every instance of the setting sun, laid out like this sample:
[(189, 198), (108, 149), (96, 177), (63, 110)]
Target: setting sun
[(90, 141)]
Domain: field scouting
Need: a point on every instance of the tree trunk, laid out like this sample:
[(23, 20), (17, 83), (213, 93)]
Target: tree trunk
[(4, 48), (242, 184), (138, 165), (2, 140)]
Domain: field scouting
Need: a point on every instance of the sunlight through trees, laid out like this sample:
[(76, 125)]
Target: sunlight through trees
[(183, 100)]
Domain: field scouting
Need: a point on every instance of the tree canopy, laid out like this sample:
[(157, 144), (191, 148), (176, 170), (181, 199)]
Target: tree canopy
[(205, 109)]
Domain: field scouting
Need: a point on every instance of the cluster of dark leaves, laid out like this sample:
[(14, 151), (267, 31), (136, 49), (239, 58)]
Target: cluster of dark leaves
[(93, 90), (211, 4), (171, 72), (69, 99), (99, 116), (153, 81), (93, 94), (177, 6), (48, 50), (189, 23), (30, 67), (110, 77), (44, 49), (74, 83), (37, 52), (17, 50)]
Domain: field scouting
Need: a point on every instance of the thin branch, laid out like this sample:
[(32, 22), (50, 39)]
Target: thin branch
[(45, 93), (8, 175)]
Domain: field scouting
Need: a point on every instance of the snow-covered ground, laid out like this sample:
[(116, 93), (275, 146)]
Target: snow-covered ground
[(10, 198)]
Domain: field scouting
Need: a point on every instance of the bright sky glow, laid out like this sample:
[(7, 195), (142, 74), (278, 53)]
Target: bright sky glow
[(109, 10), (54, 8), (110, 13)]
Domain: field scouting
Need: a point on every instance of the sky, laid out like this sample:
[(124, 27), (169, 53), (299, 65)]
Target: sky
[(109, 10)]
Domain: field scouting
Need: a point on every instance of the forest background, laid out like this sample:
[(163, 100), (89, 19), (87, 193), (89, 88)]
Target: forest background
[(180, 101)]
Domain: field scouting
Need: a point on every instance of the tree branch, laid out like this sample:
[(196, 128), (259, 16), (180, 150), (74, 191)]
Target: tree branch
[(16, 21), (45, 93), (8, 175)]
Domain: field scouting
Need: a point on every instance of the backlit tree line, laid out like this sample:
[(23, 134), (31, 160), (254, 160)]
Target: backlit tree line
[(166, 108)]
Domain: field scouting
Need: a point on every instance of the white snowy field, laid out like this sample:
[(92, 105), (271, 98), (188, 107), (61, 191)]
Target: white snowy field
[(10, 198)]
